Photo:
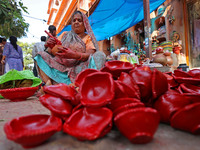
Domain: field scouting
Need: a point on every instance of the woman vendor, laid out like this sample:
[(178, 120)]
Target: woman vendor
[(12, 55), (79, 51)]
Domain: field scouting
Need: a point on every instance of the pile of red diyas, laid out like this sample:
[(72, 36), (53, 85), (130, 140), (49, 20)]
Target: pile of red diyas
[(179, 106), (103, 100), (133, 98), (33, 130)]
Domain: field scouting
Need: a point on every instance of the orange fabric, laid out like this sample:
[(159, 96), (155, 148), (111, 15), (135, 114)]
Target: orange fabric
[(88, 42)]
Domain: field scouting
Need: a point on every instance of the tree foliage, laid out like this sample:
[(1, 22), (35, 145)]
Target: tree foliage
[(12, 22), (27, 54)]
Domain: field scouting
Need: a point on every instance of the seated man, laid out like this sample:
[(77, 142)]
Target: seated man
[(39, 46)]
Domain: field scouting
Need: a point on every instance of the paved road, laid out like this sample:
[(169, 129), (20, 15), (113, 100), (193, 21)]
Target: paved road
[(166, 138)]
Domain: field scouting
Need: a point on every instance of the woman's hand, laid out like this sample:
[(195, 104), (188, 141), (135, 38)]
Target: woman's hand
[(51, 42), (65, 52)]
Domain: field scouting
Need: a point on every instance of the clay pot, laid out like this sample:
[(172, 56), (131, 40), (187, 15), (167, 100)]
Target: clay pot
[(176, 50), (160, 58), (167, 54), (159, 50), (169, 60), (55, 49)]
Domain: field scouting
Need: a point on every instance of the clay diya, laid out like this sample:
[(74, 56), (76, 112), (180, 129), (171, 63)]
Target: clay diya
[(97, 89), (89, 123), (192, 97), (119, 90), (195, 73), (58, 107), (180, 73), (138, 124), (130, 92), (82, 75), (130, 82), (144, 68), (63, 91), (143, 79), (171, 81), (18, 94), (159, 84), (187, 118), (189, 88), (116, 103), (115, 67), (168, 104), (104, 69), (190, 80), (126, 107), (32, 130), (77, 107)]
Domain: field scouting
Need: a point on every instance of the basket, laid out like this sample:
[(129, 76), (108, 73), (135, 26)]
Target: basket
[(18, 94)]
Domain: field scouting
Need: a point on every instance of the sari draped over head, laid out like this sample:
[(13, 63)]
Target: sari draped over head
[(71, 40)]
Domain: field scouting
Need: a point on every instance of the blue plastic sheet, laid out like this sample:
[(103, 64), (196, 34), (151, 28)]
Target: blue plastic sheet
[(111, 17)]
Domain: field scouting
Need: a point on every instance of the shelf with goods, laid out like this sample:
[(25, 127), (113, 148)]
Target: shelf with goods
[(160, 27)]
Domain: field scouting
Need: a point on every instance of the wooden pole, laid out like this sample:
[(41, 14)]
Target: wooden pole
[(186, 31), (147, 29)]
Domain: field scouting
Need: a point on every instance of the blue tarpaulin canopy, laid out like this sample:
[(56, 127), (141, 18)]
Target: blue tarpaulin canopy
[(111, 17)]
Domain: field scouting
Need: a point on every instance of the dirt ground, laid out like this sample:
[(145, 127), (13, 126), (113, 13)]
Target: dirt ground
[(166, 138)]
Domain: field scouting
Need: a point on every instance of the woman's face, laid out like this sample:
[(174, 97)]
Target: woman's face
[(77, 24)]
